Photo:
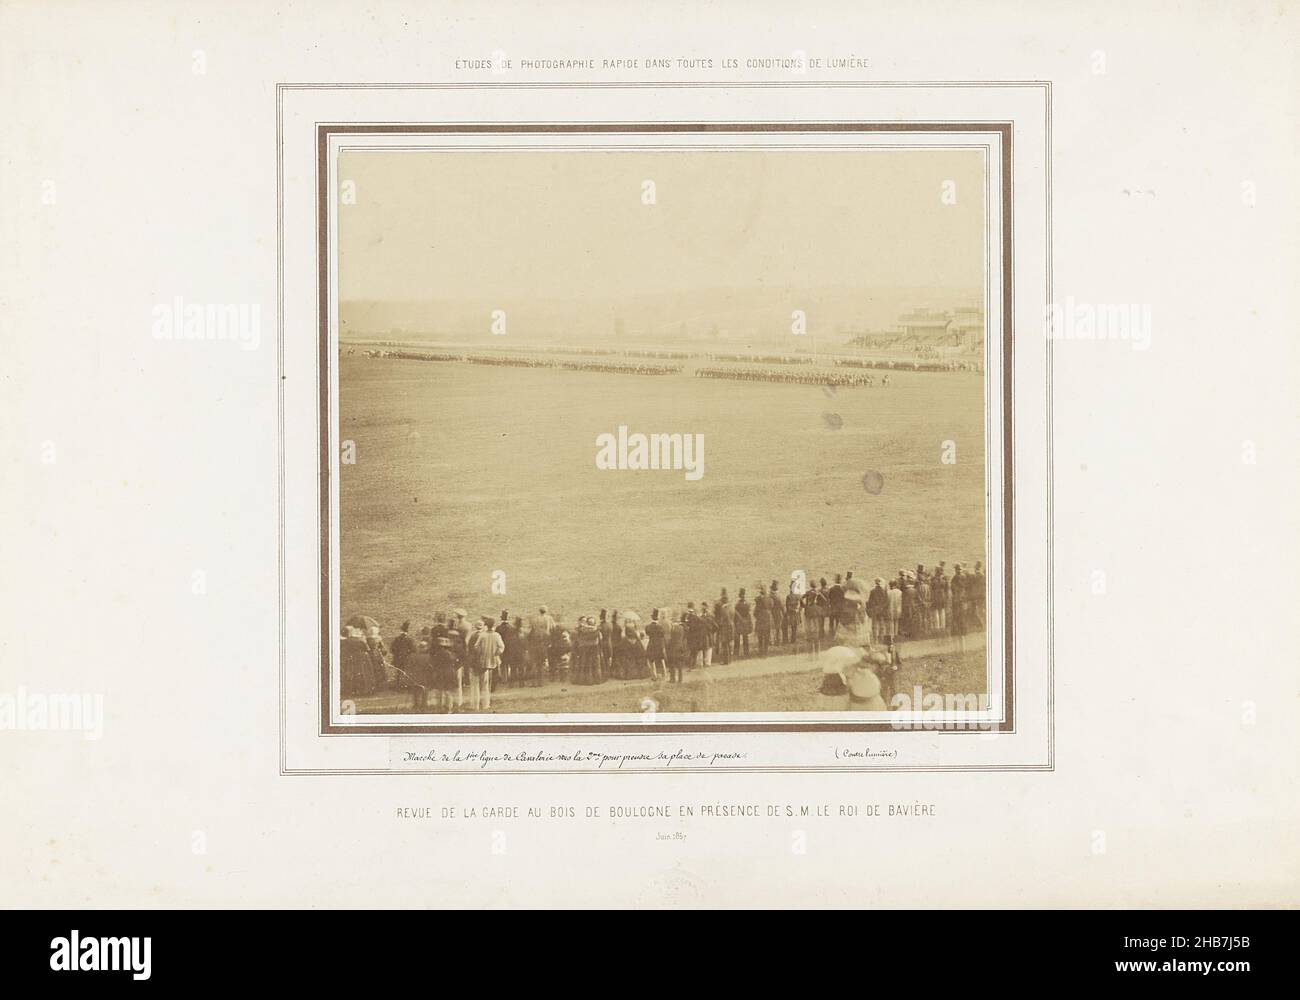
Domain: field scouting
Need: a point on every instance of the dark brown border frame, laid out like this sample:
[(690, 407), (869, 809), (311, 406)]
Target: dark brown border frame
[(328, 639)]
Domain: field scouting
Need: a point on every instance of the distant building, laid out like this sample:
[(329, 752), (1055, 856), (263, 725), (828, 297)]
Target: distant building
[(968, 328), (956, 330), (926, 324), (961, 327)]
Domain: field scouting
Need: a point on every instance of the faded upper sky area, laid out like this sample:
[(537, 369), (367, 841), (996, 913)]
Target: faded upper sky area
[(572, 224)]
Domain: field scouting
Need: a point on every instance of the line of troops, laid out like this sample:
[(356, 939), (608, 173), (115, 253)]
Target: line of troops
[(765, 359), (517, 357), (458, 654), (816, 377), (914, 366), (516, 361), (622, 367), (647, 353), (628, 352), (552, 349)]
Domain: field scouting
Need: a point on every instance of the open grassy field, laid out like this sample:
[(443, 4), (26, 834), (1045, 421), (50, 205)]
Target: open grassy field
[(465, 469)]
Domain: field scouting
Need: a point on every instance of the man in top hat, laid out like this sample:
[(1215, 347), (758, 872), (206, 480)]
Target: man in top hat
[(878, 610), (656, 650), (510, 657), (813, 606), (939, 598), (460, 630), (485, 649), (778, 614), (724, 617), (540, 627), (911, 607), (677, 648), (958, 618), (744, 626), (710, 627), (835, 605), (763, 619), (855, 593), (403, 648), (793, 606), (694, 635)]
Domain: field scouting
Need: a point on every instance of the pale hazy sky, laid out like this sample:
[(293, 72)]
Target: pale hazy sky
[(565, 225)]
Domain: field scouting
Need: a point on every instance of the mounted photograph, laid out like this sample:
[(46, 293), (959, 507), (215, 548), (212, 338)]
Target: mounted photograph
[(683, 432)]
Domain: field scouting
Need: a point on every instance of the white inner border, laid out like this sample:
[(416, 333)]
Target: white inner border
[(988, 143)]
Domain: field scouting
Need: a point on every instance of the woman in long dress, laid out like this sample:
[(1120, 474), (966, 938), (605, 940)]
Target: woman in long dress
[(561, 653), (744, 624), (356, 668), (814, 615), (615, 634), (630, 655), (443, 675), (586, 645), (605, 647)]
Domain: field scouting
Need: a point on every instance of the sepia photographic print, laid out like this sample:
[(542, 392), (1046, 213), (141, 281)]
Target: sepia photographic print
[(692, 432)]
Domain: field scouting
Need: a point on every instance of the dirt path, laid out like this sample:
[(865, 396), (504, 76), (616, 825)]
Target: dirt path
[(785, 663)]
